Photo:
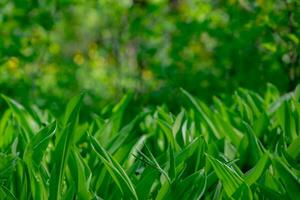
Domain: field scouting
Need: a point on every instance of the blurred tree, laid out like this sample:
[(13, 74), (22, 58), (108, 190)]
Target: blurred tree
[(52, 50)]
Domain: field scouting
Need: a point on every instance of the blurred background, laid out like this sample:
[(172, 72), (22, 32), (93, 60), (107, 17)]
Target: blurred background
[(53, 50)]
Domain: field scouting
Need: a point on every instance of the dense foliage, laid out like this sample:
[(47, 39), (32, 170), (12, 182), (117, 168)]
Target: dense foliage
[(247, 148), (139, 136), (52, 50)]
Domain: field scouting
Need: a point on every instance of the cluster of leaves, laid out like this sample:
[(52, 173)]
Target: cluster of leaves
[(154, 47), (246, 147)]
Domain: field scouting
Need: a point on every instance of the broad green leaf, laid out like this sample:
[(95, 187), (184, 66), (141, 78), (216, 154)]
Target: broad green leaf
[(81, 175), (230, 179), (188, 151), (154, 163), (23, 118), (62, 148), (7, 165), (201, 111), (297, 93), (147, 180), (191, 187), (257, 171), (290, 180), (7, 134), (177, 123), (6, 194), (123, 134), (115, 170), (118, 112), (269, 193), (167, 130), (35, 149), (172, 170), (294, 148), (243, 193), (164, 191), (254, 149)]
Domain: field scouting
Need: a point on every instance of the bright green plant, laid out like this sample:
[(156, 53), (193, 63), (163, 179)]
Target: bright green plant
[(243, 148)]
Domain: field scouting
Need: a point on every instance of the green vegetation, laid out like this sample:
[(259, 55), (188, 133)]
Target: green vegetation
[(53, 50), (149, 99), (246, 147)]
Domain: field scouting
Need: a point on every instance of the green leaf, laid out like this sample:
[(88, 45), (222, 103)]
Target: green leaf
[(177, 123), (36, 147), (290, 180), (172, 170), (145, 183), (7, 165), (243, 193), (23, 118), (191, 187), (7, 134), (81, 175), (6, 194), (254, 149), (293, 150), (201, 111), (257, 171), (123, 134), (230, 179), (62, 148), (167, 129), (115, 170)]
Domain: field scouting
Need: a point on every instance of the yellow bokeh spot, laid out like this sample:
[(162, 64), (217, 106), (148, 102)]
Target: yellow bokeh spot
[(92, 50), (13, 63), (92, 53), (232, 2), (93, 46), (54, 48), (147, 74), (260, 2), (98, 62), (51, 69), (78, 59)]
